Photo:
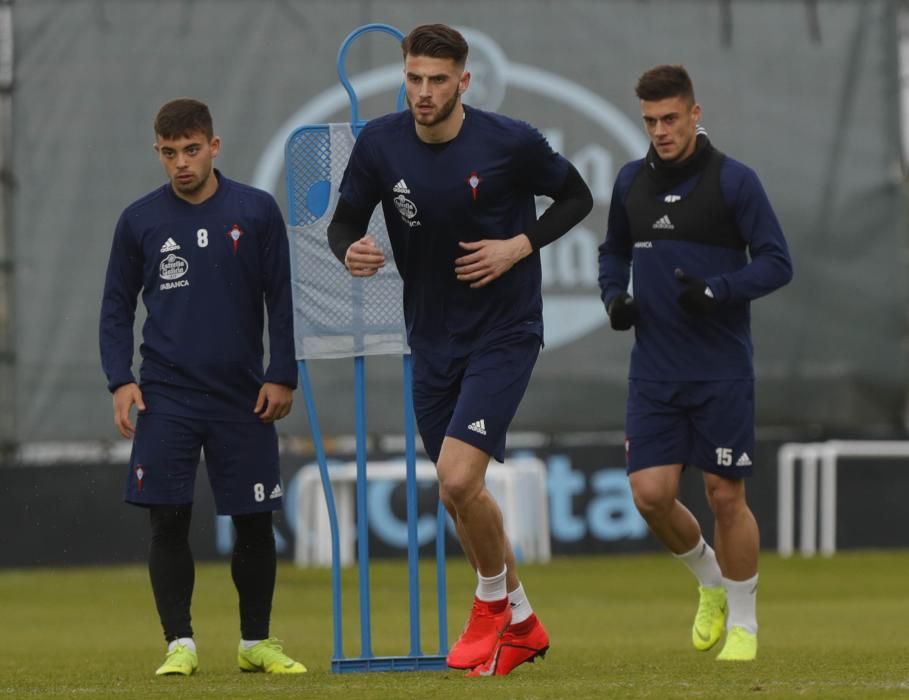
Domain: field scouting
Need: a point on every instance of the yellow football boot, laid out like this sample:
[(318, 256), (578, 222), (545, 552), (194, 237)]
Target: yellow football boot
[(741, 645), (180, 660), (710, 619), (267, 657)]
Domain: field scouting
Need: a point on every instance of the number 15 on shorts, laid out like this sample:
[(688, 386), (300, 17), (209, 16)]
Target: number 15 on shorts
[(724, 456)]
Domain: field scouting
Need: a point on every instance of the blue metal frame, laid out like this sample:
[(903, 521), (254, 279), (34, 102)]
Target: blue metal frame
[(416, 660), (355, 120)]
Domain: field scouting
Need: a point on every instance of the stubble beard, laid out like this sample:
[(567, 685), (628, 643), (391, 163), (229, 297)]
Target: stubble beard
[(439, 116)]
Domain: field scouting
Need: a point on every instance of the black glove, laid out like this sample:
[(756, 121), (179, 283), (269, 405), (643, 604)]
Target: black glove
[(622, 312), (696, 297)]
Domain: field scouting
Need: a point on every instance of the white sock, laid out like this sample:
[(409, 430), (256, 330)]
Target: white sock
[(185, 641), (701, 560), (520, 606), (741, 596), (249, 643), (492, 588)]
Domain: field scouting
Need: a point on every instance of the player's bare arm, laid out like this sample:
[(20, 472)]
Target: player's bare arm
[(274, 402), (364, 258), (490, 259), (124, 397)]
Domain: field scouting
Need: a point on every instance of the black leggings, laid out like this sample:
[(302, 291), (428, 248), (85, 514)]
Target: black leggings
[(253, 568), (172, 572), (170, 566)]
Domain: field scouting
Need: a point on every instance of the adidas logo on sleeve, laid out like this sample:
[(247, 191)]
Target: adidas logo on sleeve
[(401, 187)]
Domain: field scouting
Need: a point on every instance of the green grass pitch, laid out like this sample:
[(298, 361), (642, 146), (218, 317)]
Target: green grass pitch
[(620, 626)]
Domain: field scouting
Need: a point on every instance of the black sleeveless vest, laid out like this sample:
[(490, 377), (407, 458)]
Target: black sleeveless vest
[(699, 217)]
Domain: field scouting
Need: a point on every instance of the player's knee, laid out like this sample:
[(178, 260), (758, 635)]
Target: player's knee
[(254, 529), (726, 498), (446, 501), (652, 501), (457, 491), (170, 524)]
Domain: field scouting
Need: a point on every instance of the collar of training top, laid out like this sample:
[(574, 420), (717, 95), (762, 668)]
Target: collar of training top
[(671, 173)]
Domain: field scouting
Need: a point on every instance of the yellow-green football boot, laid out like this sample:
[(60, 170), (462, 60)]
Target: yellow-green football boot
[(267, 657), (180, 661), (741, 645), (710, 619)]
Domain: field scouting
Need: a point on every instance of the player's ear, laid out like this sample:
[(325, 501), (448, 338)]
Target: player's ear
[(215, 146), (463, 82)]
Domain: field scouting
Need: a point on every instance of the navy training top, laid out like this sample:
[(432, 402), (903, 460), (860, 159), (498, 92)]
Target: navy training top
[(480, 185), (207, 272), (670, 344)]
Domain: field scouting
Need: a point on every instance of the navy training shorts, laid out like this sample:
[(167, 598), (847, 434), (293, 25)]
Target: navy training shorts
[(473, 398), (241, 460), (709, 425)]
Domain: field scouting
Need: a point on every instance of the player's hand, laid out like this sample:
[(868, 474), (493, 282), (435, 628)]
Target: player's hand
[(490, 259), (364, 258), (274, 402), (622, 312), (124, 397), (696, 297)]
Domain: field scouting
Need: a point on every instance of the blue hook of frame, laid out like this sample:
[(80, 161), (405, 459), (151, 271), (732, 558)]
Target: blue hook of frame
[(342, 70)]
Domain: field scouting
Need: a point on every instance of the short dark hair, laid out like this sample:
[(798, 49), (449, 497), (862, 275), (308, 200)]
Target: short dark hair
[(437, 41), (183, 117), (665, 81)]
